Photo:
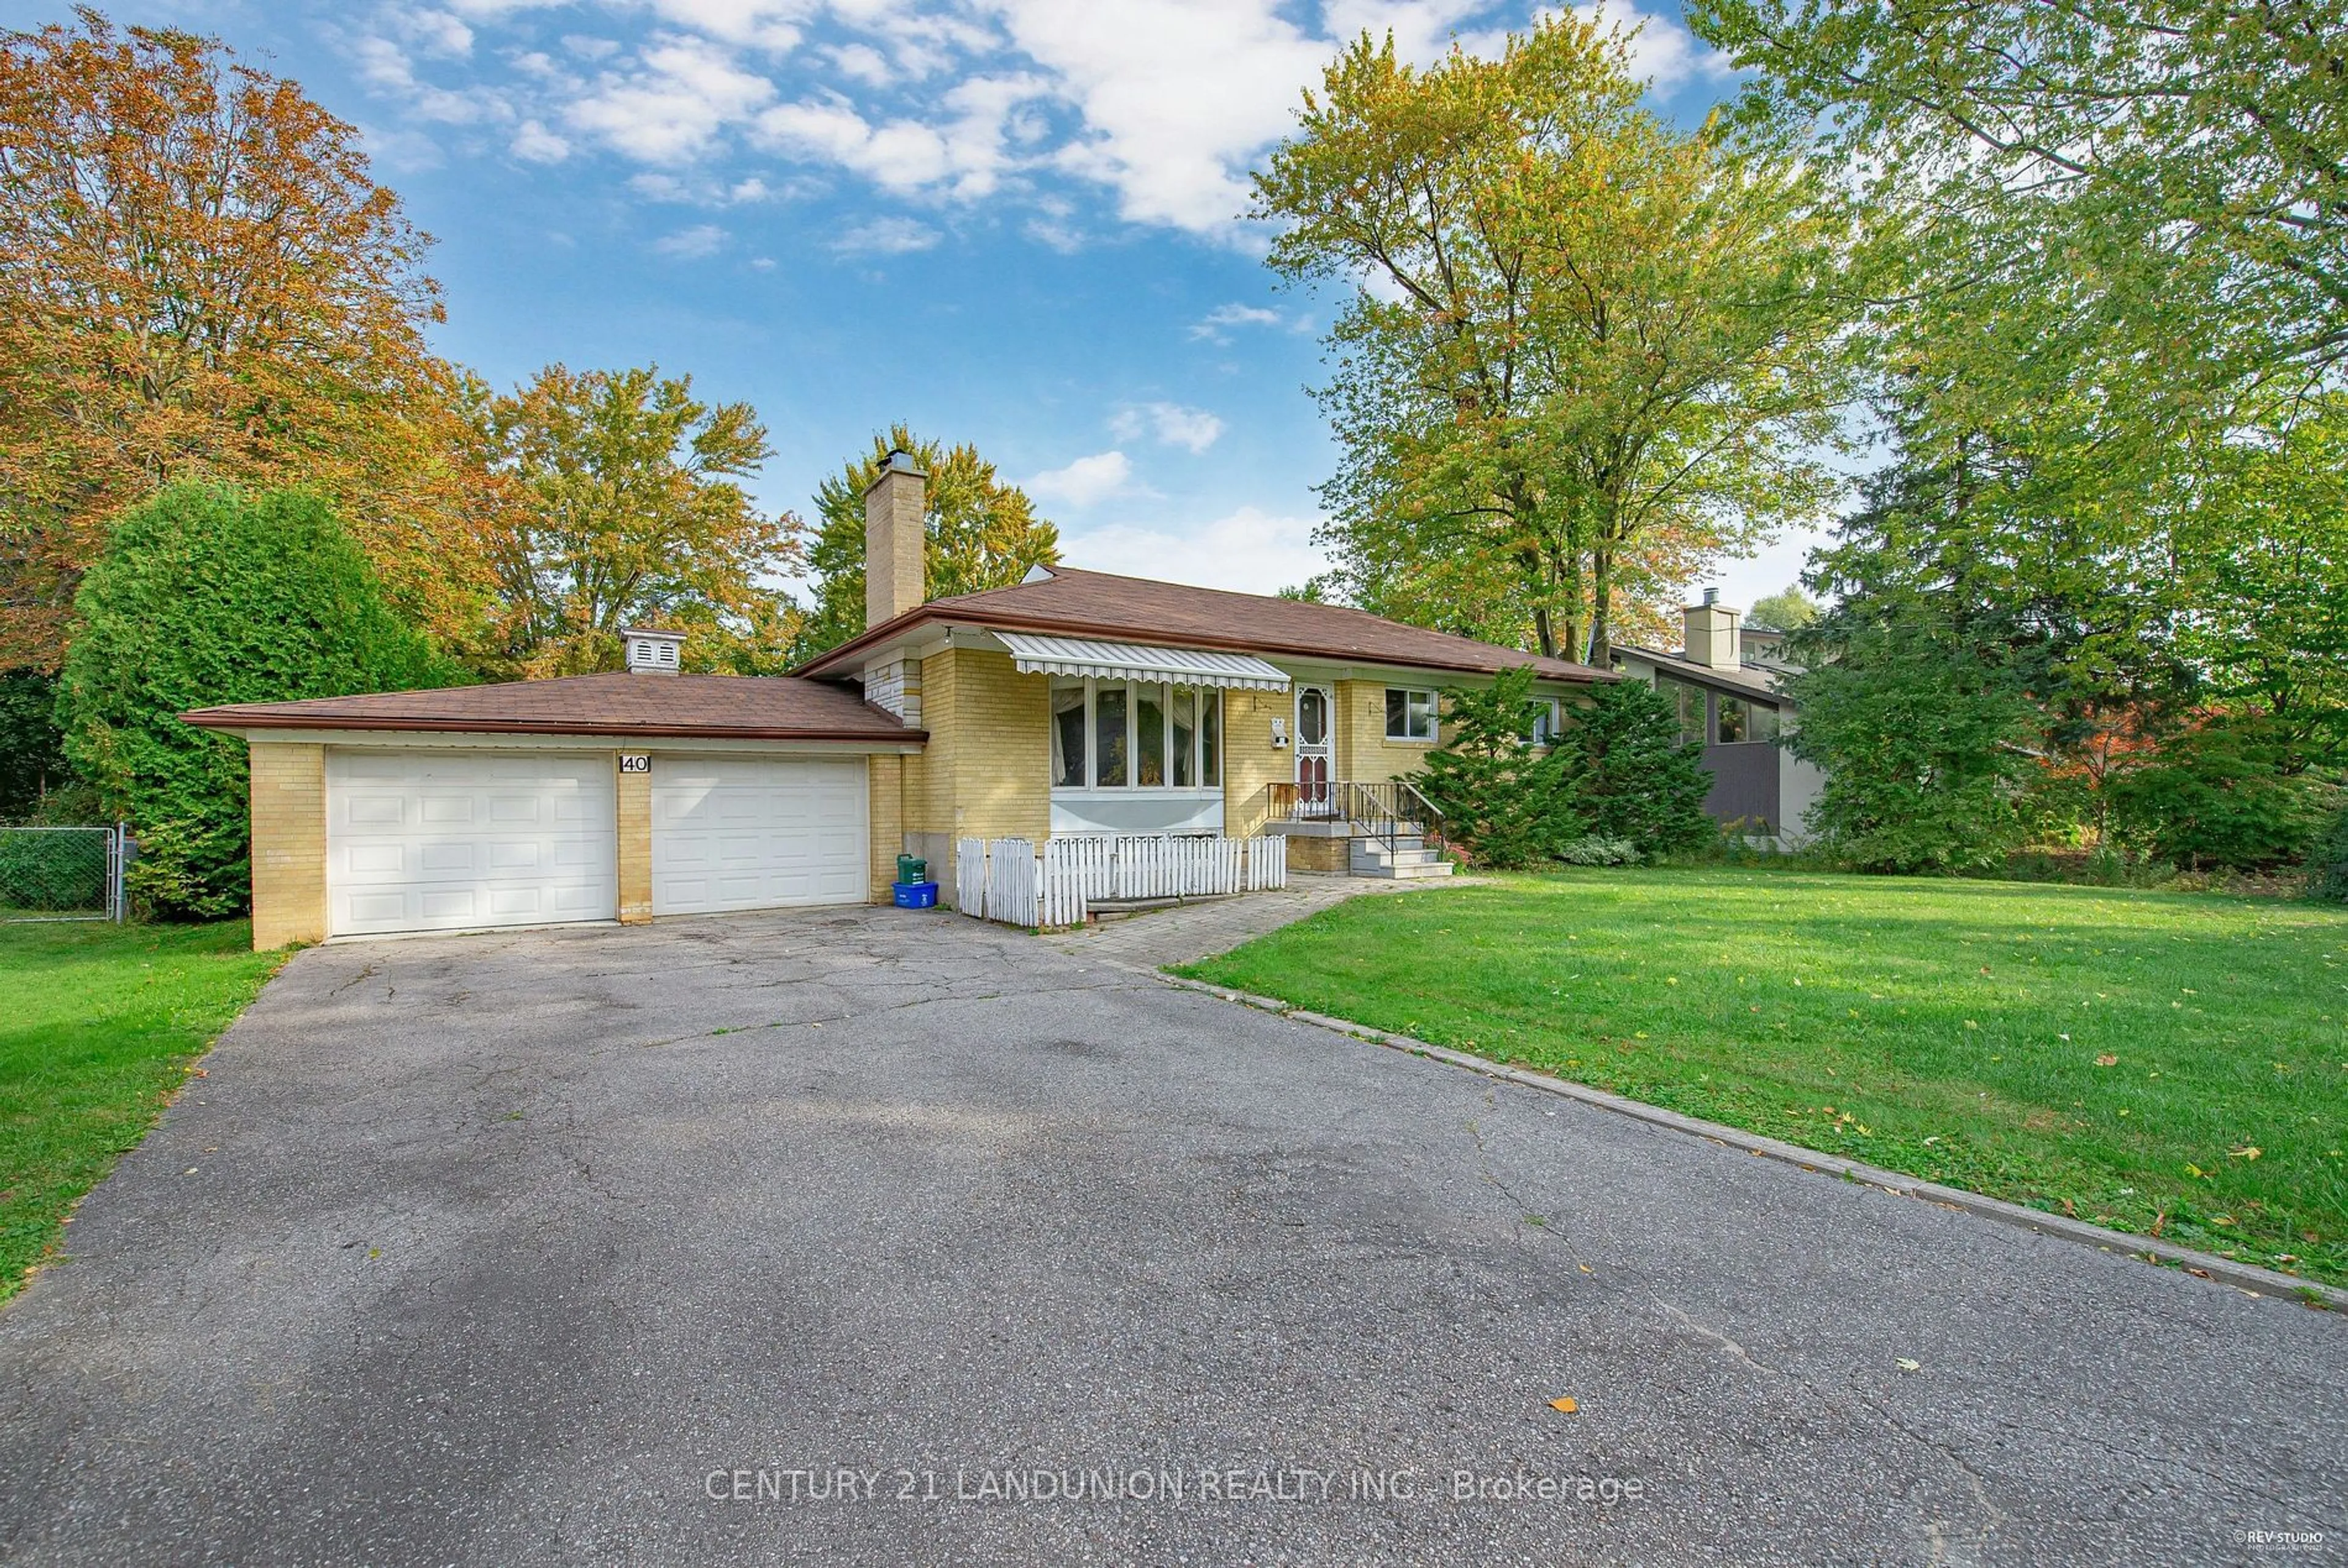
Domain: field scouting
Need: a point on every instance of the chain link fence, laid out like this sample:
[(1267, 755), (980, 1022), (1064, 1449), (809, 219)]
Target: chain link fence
[(64, 872)]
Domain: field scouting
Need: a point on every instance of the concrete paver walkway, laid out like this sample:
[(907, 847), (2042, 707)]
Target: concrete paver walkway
[(1190, 932)]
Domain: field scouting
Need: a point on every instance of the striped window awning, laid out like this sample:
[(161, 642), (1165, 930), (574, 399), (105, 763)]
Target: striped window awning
[(1036, 655)]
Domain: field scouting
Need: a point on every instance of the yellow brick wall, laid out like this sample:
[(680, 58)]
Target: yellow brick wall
[(1002, 748), (1365, 755), (1250, 762), (289, 844), (929, 777), (635, 844), (885, 817)]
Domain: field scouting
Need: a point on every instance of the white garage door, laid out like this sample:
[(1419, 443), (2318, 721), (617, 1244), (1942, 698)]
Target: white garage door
[(456, 840), (744, 833)]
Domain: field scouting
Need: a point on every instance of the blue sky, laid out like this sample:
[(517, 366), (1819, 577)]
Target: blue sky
[(1014, 222)]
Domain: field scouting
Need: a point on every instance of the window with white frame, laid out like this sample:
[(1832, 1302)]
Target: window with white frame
[(1410, 714), (1135, 735), (1548, 721)]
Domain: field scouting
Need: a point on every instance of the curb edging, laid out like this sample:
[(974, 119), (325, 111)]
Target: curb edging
[(2249, 1279)]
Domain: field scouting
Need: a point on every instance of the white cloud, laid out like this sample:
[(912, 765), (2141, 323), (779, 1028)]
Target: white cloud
[(389, 70), (438, 33), (771, 25), (692, 244), (1176, 95), (536, 144), (965, 154), (1164, 105), (1171, 423), (1663, 53), (1215, 324), (886, 237), (1249, 551), (1085, 482), (1055, 233), (861, 63), (401, 151), (671, 110)]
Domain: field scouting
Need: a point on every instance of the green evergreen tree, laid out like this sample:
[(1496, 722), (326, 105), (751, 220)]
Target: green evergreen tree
[(208, 595), (1631, 776), (1506, 803)]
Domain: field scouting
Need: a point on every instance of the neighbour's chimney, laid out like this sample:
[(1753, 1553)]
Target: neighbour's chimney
[(651, 652), (1708, 634), (895, 538)]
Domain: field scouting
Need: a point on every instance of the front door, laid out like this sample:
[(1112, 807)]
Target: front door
[(1315, 709)]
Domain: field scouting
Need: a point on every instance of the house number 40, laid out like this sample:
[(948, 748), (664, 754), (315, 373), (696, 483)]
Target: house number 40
[(634, 764)]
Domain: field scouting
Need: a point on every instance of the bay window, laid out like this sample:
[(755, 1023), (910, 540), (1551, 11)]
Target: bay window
[(1068, 771), (1109, 724), (1135, 735), (1150, 732)]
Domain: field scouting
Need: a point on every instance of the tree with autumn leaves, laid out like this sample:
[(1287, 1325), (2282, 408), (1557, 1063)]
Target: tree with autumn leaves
[(611, 497), (197, 276), (1583, 353)]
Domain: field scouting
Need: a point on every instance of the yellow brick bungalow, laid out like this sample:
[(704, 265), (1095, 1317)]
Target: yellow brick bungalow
[(1076, 703)]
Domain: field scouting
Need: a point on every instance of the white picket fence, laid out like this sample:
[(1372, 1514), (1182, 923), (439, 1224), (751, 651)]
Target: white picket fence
[(1012, 881)]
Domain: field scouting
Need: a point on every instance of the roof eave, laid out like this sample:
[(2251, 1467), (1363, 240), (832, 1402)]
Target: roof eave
[(942, 610), (228, 719)]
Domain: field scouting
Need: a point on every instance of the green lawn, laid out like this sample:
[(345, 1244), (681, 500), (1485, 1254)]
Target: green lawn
[(101, 1024), (2174, 1064)]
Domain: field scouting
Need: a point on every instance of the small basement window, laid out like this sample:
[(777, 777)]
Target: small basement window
[(1410, 714)]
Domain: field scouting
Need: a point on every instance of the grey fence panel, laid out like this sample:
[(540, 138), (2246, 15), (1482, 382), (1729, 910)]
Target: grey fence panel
[(63, 872)]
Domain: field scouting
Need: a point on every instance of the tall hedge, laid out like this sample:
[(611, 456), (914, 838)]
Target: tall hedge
[(205, 595)]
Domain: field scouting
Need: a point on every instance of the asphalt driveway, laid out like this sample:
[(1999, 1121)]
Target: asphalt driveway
[(604, 1246)]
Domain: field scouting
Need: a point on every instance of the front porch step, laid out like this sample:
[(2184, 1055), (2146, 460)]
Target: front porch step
[(1126, 909), (1372, 857), (1408, 871)]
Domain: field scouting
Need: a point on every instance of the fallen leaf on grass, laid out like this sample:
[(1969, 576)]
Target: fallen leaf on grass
[(1566, 1405), (2107, 1061), (2246, 1152)]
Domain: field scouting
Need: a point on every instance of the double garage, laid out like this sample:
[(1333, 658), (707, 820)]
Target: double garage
[(584, 798), (458, 840)]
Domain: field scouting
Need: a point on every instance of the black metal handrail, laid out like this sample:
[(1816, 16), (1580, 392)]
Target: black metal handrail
[(1388, 809)]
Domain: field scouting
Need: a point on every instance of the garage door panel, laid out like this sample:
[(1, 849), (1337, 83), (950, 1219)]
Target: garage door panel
[(446, 840), (757, 833)]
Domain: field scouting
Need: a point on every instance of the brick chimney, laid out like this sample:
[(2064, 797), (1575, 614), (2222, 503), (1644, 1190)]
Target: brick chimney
[(1708, 633), (895, 538)]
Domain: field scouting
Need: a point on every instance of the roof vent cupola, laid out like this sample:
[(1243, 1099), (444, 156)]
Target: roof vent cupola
[(651, 652)]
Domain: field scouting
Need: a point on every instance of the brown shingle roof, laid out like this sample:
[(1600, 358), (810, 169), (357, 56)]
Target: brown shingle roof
[(738, 707), (1133, 609), (1746, 680)]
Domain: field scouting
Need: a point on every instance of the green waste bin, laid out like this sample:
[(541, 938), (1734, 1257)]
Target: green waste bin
[(913, 868)]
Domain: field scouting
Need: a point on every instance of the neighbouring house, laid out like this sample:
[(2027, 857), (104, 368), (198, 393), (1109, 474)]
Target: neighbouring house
[(1727, 684), (1076, 703)]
